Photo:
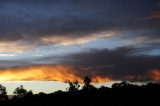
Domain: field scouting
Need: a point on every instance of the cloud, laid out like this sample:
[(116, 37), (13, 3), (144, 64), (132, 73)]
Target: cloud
[(28, 25), (155, 15), (124, 63), (13, 63), (15, 46), (154, 74), (45, 73), (44, 22), (7, 55), (65, 40)]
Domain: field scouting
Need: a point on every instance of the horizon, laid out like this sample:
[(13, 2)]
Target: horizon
[(48, 87), (43, 86), (56, 40)]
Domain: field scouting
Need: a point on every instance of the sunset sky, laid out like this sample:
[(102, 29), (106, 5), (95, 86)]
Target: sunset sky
[(65, 40)]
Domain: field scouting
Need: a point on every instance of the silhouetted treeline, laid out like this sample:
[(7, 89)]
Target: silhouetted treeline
[(120, 94)]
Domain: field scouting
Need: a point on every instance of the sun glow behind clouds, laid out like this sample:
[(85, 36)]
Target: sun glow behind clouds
[(46, 73), (39, 73), (155, 74)]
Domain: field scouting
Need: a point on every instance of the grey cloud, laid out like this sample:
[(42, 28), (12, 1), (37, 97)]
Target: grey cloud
[(31, 20), (119, 64), (123, 63)]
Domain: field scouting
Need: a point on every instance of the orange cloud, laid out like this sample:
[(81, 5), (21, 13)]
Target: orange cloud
[(101, 79), (155, 15), (155, 74), (47, 73)]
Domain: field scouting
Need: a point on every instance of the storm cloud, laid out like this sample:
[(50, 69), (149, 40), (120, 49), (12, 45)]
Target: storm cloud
[(120, 64)]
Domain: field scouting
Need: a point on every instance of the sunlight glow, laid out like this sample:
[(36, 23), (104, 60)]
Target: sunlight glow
[(46, 73)]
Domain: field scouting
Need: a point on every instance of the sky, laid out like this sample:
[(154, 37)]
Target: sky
[(55, 41)]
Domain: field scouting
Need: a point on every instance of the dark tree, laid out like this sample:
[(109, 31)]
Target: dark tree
[(20, 91), (29, 93), (121, 85), (41, 93), (73, 86), (87, 81), (87, 84), (3, 93)]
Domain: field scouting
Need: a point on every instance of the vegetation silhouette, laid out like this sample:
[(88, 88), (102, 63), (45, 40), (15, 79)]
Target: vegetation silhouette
[(73, 86), (20, 92), (3, 93), (120, 94), (87, 84)]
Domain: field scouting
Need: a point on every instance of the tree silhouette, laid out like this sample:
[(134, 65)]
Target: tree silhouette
[(87, 81), (3, 93), (125, 93), (20, 91), (29, 93), (87, 84), (73, 86), (121, 84)]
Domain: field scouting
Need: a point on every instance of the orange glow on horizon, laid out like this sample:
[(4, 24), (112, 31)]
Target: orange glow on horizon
[(101, 79), (46, 73), (155, 74)]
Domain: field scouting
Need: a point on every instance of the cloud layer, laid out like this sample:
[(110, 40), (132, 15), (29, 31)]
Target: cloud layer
[(38, 21), (106, 39), (46, 73), (121, 63)]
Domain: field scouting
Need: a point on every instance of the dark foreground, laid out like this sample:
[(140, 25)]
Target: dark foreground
[(121, 94)]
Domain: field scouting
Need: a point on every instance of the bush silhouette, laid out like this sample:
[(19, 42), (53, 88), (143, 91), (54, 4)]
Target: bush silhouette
[(120, 85), (73, 86), (87, 84), (20, 91), (3, 93)]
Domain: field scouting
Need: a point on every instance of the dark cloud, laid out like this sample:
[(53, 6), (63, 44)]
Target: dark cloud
[(119, 64), (156, 13), (12, 63), (30, 61), (31, 20)]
